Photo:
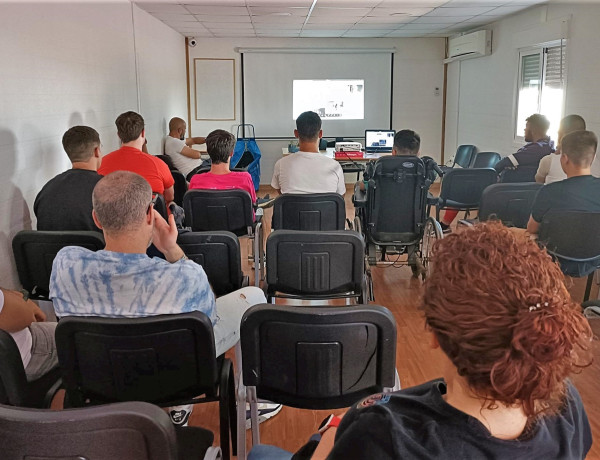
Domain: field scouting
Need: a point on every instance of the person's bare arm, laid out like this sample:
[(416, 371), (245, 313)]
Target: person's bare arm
[(17, 313), (190, 153), (195, 140), (533, 226), (169, 194)]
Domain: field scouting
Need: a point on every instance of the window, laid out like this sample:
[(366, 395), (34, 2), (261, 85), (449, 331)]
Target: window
[(542, 75)]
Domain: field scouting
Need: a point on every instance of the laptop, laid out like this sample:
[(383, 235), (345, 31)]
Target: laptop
[(379, 141)]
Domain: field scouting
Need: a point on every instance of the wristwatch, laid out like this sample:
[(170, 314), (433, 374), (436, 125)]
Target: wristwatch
[(330, 421)]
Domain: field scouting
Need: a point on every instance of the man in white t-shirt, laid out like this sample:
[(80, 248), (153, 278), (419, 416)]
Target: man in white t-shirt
[(308, 171), (25, 322), (550, 169), (177, 146)]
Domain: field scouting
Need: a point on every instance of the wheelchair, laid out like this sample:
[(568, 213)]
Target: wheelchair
[(391, 213)]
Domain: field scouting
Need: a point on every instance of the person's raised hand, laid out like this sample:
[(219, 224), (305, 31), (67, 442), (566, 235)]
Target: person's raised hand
[(164, 237)]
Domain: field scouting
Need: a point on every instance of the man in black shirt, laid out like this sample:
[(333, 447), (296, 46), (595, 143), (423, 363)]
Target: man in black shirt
[(65, 202), (580, 191)]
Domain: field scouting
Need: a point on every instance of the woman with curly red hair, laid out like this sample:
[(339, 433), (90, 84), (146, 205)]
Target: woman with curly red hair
[(498, 309)]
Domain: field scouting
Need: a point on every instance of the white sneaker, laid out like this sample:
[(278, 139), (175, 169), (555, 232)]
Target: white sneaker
[(265, 412), (180, 415)]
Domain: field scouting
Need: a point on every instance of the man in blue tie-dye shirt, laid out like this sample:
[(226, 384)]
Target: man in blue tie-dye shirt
[(121, 281)]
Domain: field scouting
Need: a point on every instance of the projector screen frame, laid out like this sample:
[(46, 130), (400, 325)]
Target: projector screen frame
[(242, 51)]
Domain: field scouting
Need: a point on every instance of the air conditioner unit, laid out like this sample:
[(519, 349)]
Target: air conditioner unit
[(475, 44)]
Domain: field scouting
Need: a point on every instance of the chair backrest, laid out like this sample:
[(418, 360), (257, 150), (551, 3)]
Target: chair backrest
[(485, 159), (312, 212), (132, 431), (169, 162), (220, 256), (315, 263), (160, 205), (462, 188), (209, 210), (318, 358), (13, 381), (519, 174), (572, 235), (180, 187), (396, 198), (464, 155), (35, 251), (510, 203), (155, 359)]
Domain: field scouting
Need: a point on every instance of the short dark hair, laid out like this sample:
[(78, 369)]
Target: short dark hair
[(580, 147), (129, 126), (572, 123), (79, 142), (220, 144), (539, 121), (407, 142), (308, 125)]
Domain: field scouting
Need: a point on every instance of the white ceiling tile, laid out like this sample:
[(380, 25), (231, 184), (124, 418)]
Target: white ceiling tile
[(475, 4), (459, 12), (429, 27), (366, 33), (348, 3), (440, 19), (233, 32), (400, 11), (218, 10), (326, 26), (165, 17), (479, 20), (261, 11), (151, 7), (270, 19), (322, 33), (386, 19), (213, 2), (411, 4), (206, 18), (406, 33), (373, 26), (278, 33), (506, 10), (228, 25), (340, 12), (188, 24), (264, 26), (334, 19), (287, 3)]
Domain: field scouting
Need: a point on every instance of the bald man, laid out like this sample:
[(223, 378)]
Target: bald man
[(177, 146)]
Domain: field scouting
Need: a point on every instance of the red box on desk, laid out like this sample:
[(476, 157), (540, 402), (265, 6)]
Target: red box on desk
[(350, 154)]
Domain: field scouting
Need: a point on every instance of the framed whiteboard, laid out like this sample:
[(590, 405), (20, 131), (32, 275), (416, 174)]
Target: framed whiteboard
[(214, 88)]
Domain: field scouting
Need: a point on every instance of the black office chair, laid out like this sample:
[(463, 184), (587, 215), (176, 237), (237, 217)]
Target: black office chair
[(35, 251), (219, 255), (462, 189), (310, 212), (510, 203), (167, 360), (518, 174), (315, 358), (15, 390), (168, 161), (160, 205), (317, 265), (572, 237), (229, 210), (180, 187), (485, 160), (132, 431), (463, 157), (393, 210)]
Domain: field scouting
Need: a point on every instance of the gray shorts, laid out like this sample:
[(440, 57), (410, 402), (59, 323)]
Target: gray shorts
[(43, 350)]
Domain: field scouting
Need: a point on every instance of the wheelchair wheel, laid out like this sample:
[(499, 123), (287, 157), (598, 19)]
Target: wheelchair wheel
[(431, 233)]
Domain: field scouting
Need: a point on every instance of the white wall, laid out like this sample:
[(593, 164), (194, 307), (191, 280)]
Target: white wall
[(418, 70), (68, 64), (481, 109)]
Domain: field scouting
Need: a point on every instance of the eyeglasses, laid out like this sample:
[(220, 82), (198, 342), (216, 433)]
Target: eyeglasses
[(152, 203)]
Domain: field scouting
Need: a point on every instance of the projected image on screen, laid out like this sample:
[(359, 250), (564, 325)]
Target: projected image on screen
[(331, 99)]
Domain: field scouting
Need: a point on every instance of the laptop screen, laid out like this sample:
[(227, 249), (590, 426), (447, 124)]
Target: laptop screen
[(379, 140)]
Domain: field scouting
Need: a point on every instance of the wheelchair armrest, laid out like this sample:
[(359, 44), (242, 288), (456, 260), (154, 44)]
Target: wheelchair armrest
[(359, 198)]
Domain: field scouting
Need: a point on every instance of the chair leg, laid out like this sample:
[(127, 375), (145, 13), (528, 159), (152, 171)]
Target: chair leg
[(224, 408), (232, 410), (588, 287), (241, 406)]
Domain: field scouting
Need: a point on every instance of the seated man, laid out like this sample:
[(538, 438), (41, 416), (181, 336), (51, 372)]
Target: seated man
[(538, 146), (308, 171), (550, 169), (130, 129), (509, 336), (406, 143), (122, 281), (220, 146), (25, 322), (65, 202), (178, 147), (580, 191)]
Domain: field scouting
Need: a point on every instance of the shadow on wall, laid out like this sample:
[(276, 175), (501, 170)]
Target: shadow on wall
[(14, 212)]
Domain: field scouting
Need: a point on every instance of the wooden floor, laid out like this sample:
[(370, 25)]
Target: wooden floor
[(416, 361)]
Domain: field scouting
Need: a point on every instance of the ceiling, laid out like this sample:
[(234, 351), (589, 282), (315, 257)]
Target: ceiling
[(329, 18)]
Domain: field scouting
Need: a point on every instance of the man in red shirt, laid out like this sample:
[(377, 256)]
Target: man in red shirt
[(220, 146), (130, 128)]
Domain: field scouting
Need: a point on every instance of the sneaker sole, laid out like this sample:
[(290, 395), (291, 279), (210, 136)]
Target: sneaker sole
[(262, 418)]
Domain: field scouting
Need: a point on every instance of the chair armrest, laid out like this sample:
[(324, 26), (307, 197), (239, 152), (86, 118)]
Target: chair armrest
[(359, 198)]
